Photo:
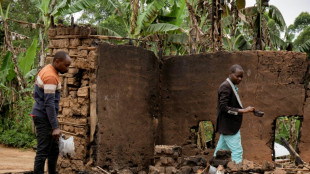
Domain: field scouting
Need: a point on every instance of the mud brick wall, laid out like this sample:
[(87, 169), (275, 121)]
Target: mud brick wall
[(127, 102), (273, 82), (77, 114)]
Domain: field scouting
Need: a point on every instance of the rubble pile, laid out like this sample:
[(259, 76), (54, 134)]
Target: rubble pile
[(77, 107)]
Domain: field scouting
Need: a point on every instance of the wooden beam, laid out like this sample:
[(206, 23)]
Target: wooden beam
[(292, 151)]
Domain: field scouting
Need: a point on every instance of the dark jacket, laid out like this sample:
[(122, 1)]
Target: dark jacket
[(228, 120)]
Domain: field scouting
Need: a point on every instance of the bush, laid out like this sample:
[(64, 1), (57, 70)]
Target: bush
[(16, 124)]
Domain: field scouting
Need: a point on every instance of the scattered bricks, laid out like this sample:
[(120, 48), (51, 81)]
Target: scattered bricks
[(77, 165), (51, 32), (153, 170), (125, 171), (195, 161), (49, 60), (171, 170), (72, 89), (73, 52), (81, 63), (156, 170), (66, 112), (75, 42), (223, 154), (231, 166), (267, 166), (73, 102), (185, 170), (82, 53), (83, 92), (216, 162), (168, 150), (168, 161)]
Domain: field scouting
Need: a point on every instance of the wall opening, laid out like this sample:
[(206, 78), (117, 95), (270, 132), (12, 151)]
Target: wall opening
[(287, 127), (204, 135)]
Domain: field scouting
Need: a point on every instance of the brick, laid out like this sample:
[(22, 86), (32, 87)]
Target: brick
[(68, 128), (82, 53), (84, 83), (75, 42), (83, 92), (73, 52), (80, 131), (71, 81), (171, 170), (82, 100), (81, 63), (86, 42), (51, 32), (73, 70), (168, 161), (85, 110), (60, 43), (66, 112), (92, 56), (73, 94), (65, 102)]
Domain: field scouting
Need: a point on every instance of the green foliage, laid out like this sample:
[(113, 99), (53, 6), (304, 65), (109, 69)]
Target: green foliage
[(27, 61), (149, 15), (15, 123), (284, 129), (161, 27), (302, 21), (204, 134)]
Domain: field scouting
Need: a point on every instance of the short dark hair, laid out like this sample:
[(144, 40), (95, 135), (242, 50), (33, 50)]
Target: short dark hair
[(234, 67), (61, 55)]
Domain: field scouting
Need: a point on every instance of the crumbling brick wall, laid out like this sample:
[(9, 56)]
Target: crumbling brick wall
[(77, 114), (144, 101)]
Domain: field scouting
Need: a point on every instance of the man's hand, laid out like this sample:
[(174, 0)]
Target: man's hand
[(56, 133), (246, 110)]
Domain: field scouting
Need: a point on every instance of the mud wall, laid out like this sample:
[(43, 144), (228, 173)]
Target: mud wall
[(273, 82), (77, 114), (127, 100)]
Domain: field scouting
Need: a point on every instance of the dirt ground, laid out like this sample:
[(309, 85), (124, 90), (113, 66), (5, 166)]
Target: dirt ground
[(15, 160)]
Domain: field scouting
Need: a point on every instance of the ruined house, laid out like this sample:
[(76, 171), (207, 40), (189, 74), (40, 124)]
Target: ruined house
[(119, 101)]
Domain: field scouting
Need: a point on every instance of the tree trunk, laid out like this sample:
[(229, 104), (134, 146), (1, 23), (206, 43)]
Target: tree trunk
[(8, 42), (134, 15)]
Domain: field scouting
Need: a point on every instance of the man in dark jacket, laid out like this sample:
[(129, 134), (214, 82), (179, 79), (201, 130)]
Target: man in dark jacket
[(229, 114), (45, 111)]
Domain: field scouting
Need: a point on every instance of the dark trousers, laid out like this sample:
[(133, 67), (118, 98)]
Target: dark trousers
[(47, 147)]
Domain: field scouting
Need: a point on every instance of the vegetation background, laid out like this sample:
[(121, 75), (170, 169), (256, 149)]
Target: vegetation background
[(167, 27)]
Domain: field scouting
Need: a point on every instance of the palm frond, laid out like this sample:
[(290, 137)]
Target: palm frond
[(76, 6), (305, 47), (161, 27), (107, 31), (276, 15), (149, 15), (276, 40)]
